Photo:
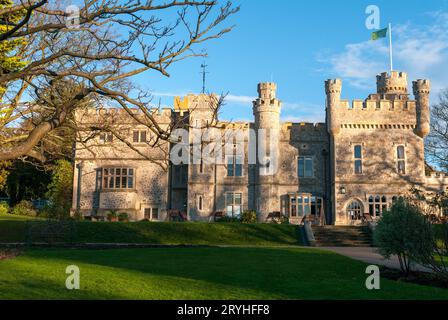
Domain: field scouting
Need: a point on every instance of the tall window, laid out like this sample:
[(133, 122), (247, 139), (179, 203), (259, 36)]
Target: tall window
[(139, 136), (200, 202), (377, 205), (305, 167), (358, 159), (235, 166), (401, 160), (106, 137), (118, 178), (234, 204)]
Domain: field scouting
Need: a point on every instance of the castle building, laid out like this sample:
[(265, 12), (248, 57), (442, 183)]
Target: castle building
[(353, 166)]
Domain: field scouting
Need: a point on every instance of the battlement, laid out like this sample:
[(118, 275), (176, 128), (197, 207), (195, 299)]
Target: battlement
[(193, 101), (394, 83), (421, 86), (436, 179), (375, 112), (305, 126), (267, 90), (333, 86), (101, 115), (377, 105), (267, 101)]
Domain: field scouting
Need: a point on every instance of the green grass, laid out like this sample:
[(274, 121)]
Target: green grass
[(14, 230), (198, 273), (14, 217)]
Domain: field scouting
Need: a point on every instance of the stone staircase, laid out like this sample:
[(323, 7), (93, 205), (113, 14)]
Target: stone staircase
[(342, 236)]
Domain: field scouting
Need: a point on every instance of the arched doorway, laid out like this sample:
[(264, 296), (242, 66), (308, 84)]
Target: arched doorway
[(354, 211)]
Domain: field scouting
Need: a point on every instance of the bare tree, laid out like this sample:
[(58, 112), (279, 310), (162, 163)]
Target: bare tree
[(437, 141), (93, 60)]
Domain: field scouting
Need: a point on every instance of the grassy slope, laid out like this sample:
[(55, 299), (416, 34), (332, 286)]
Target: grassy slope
[(14, 230), (198, 273)]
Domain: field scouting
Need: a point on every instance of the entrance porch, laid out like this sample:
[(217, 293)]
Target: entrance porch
[(305, 206)]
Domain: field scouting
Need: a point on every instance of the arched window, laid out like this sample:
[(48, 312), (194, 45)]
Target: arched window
[(354, 210)]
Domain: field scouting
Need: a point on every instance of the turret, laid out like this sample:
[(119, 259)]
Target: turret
[(333, 88), (421, 90), (266, 109), (394, 83)]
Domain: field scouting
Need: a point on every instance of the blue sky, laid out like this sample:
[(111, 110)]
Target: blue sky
[(299, 44)]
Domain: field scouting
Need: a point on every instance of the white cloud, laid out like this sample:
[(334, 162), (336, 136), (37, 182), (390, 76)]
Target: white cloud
[(239, 99), (419, 50), (358, 63)]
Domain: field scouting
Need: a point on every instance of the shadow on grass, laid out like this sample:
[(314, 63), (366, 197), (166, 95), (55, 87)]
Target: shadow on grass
[(289, 273), (188, 233)]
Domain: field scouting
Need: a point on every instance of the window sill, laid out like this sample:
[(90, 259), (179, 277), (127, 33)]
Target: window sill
[(118, 190)]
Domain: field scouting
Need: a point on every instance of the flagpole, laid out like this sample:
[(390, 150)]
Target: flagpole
[(390, 47)]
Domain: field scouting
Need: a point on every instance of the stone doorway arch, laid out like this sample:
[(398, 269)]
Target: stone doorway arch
[(354, 211)]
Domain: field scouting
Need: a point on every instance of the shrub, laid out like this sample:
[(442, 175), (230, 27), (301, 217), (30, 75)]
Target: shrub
[(24, 208), (404, 231), (284, 219), (43, 213), (229, 219), (112, 215), (123, 217), (249, 217), (77, 216), (4, 208), (60, 190)]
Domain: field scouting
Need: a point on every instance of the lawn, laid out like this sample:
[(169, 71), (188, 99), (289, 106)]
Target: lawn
[(198, 273), (13, 229)]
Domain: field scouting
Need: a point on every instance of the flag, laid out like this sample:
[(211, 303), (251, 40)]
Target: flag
[(379, 34)]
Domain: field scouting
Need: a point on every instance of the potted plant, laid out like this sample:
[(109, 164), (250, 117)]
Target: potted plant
[(123, 217), (112, 216)]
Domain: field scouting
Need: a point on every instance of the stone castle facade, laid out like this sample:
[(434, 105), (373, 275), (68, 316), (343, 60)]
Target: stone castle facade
[(352, 167)]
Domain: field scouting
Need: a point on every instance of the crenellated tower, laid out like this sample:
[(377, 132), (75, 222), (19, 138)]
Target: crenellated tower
[(421, 90), (393, 85), (333, 89), (375, 143), (266, 110)]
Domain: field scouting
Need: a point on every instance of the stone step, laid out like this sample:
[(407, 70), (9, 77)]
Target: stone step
[(342, 236)]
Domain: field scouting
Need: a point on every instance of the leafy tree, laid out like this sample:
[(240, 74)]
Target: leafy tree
[(4, 173), (10, 50), (25, 181), (60, 190), (405, 232)]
